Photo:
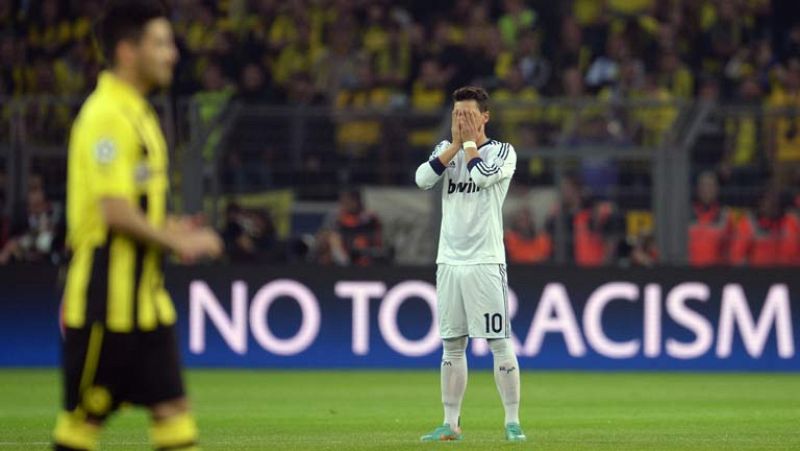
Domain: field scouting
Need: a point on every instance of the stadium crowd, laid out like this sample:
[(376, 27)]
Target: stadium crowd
[(353, 55)]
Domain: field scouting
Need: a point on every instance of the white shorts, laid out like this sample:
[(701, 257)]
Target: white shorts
[(472, 300)]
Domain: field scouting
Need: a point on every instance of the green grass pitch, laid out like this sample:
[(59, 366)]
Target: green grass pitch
[(387, 410)]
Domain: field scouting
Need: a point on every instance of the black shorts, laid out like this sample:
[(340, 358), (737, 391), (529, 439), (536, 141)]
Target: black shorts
[(104, 369)]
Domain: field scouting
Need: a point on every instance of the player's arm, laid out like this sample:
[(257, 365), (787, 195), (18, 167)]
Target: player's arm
[(109, 151), (189, 244), (429, 173), (500, 166)]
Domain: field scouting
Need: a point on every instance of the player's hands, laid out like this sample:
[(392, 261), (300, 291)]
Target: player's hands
[(470, 125), (185, 223), (455, 129), (193, 245)]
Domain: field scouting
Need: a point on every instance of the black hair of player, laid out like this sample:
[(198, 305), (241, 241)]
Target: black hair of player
[(475, 93), (125, 20)]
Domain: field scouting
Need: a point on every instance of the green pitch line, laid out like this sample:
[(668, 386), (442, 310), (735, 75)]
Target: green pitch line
[(355, 410)]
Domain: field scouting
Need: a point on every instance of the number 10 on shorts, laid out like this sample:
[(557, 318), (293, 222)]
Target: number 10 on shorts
[(494, 322)]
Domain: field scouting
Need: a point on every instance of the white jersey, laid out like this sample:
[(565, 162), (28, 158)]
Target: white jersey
[(472, 202)]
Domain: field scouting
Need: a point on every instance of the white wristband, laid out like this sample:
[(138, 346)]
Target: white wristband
[(470, 144)]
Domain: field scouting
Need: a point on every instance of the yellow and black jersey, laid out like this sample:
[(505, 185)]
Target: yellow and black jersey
[(117, 150)]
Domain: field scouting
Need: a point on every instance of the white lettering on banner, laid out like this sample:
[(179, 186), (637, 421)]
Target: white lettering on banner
[(776, 311), (652, 320), (387, 318), (593, 320), (309, 323), (688, 318), (360, 292), (554, 314), (233, 330), (480, 347)]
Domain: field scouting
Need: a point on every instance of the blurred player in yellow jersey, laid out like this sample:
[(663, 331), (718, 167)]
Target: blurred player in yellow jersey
[(119, 343)]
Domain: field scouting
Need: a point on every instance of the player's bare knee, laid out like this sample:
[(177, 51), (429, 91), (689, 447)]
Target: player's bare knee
[(169, 409)]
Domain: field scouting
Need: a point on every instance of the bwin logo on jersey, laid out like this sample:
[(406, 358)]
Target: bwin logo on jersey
[(462, 187)]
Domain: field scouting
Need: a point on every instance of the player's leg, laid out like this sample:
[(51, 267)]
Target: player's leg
[(453, 329), (88, 398), (454, 379), (160, 388), (486, 301), (506, 376)]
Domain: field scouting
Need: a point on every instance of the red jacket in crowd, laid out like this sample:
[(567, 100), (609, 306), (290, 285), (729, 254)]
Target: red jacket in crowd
[(764, 241), (709, 234)]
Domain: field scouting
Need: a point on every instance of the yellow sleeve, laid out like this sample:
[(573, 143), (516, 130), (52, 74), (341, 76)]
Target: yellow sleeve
[(110, 148)]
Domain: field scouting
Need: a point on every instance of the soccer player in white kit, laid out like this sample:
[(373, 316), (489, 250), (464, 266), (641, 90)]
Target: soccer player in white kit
[(471, 282)]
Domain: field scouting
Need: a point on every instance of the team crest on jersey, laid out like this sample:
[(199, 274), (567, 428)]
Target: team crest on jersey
[(105, 151)]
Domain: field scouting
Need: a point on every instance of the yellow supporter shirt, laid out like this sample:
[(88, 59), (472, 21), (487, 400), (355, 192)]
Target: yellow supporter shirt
[(786, 124)]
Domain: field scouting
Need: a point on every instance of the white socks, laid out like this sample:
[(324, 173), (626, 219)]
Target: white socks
[(454, 379), (506, 376)]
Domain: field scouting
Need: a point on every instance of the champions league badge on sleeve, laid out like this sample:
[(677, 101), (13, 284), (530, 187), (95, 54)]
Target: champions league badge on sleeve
[(105, 151)]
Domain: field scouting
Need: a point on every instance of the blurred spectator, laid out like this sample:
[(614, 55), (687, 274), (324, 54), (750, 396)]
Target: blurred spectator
[(593, 227), (791, 48), (644, 251), (675, 75), (724, 31), (40, 236), (358, 131), (599, 174), (656, 117), (5, 222), (535, 68), (300, 91), (211, 102), (249, 236), (572, 50), (336, 66), (711, 224), (295, 56), (440, 43), (605, 69), (516, 17), (352, 237), (510, 112), (428, 95), (254, 84), (526, 244), (559, 117), (709, 90), (50, 31), (744, 161), (770, 236), (597, 231), (785, 127)]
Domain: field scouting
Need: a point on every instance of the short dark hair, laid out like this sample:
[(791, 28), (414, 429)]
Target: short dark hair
[(125, 19), (475, 93)]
